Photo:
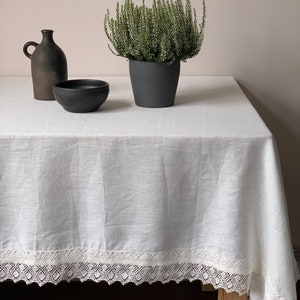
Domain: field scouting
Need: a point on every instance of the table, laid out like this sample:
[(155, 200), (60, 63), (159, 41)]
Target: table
[(132, 194)]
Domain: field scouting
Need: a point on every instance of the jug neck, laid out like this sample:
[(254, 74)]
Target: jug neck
[(47, 36)]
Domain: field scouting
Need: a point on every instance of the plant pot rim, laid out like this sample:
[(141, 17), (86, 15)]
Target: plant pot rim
[(155, 62)]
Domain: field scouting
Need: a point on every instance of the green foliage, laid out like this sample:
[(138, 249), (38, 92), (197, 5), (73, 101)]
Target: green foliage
[(166, 32)]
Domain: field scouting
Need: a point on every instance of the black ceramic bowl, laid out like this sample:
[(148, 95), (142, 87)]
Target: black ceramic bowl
[(81, 95)]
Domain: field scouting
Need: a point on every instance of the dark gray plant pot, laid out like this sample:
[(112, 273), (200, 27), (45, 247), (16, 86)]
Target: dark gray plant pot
[(154, 84)]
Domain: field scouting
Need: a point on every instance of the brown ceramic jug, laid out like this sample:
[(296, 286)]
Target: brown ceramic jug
[(48, 65)]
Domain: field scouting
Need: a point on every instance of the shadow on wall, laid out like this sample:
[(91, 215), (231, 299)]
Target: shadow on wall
[(288, 143)]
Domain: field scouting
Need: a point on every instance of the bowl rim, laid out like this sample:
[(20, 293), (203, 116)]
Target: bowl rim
[(99, 84)]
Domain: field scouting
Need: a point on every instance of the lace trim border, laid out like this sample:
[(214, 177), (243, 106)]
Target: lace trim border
[(176, 265)]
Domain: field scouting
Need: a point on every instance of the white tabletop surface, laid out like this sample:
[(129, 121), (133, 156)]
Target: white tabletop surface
[(134, 194), (205, 107)]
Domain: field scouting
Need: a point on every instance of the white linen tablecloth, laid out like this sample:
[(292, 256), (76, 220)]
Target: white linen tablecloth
[(132, 194)]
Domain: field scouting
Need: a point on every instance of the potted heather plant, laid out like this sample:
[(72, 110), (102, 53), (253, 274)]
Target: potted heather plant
[(155, 40)]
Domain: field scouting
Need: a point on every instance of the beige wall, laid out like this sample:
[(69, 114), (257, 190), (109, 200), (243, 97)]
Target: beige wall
[(257, 41)]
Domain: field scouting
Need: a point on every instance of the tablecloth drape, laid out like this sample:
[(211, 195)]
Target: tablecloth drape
[(132, 194)]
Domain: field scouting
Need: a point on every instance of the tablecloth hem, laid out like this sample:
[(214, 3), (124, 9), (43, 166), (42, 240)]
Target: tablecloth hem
[(41, 267), (124, 266), (137, 274), (123, 274)]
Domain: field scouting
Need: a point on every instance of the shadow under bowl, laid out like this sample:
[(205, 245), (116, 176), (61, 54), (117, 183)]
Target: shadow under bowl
[(81, 95)]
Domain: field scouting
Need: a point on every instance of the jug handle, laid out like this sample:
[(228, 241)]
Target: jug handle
[(25, 48)]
